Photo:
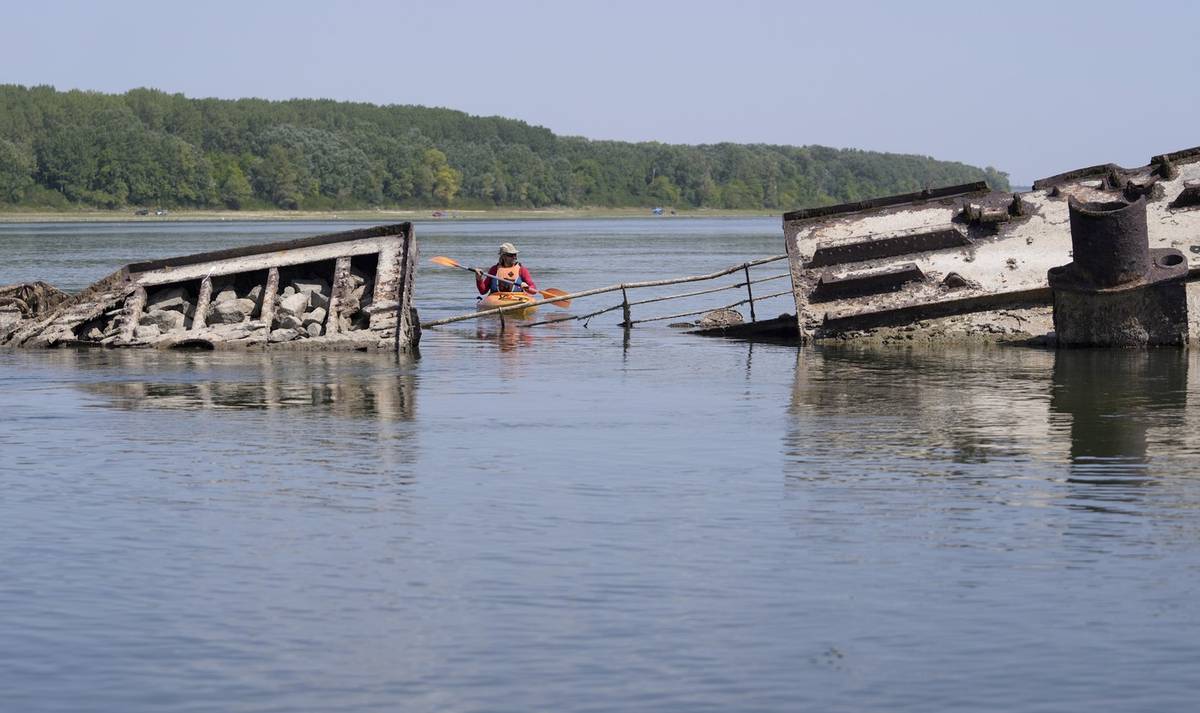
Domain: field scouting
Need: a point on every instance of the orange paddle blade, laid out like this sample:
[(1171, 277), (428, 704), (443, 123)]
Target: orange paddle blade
[(443, 260), (550, 293)]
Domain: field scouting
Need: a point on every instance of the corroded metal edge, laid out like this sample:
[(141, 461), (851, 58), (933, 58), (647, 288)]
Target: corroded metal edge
[(1012, 239)]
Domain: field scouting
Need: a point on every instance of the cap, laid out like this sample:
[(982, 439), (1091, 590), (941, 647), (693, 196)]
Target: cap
[(508, 249)]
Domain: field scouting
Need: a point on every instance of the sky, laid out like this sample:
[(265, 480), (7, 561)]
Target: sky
[(1032, 88)]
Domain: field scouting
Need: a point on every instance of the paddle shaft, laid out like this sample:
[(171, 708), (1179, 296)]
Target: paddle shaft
[(551, 295), (489, 277)]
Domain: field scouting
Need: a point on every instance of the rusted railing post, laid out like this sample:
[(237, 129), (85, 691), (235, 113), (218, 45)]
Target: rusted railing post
[(749, 292)]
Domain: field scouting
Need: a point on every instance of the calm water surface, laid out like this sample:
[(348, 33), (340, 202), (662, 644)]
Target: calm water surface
[(559, 519)]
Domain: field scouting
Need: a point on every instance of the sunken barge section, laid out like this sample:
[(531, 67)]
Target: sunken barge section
[(343, 291), (979, 255)]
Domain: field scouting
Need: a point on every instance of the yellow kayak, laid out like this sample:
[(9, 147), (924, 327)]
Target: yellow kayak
[(492, 300)]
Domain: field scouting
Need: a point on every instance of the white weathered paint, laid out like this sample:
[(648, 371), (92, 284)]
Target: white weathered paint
[(1015, 260)]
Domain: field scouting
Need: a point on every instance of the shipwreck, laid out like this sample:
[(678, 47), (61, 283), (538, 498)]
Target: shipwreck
[(966, 261), (344, 291)]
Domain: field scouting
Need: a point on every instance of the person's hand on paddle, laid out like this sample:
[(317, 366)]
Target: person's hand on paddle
[(549, 294)]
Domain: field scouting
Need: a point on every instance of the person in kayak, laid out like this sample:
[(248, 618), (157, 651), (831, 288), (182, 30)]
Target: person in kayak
[(509, 269)]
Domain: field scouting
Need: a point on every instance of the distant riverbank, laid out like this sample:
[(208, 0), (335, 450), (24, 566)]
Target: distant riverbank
[(380, 216)]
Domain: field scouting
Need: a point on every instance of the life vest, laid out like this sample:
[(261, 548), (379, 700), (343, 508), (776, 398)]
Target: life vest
[(507, 273)]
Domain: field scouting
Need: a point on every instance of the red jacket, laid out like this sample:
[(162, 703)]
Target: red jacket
[(485, 285)]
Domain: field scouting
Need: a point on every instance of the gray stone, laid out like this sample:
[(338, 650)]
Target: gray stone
[(230, 332), (172, 298), (255, 293), (313, 329), (720, 318), (227, 312), (317, 315), (294, 304), (226, 295), (94, 334), (358, 277), (283, 335), (146, 333), (167, 320), (289, 290), (318, 300), (288, 321), (9, 318), (317, 290), (246, 305), (310, 285)]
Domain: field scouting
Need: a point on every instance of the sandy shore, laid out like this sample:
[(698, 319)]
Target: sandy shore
[(373, 216)]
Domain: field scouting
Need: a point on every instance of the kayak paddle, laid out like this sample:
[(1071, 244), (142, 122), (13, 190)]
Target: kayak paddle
[(548, 294)]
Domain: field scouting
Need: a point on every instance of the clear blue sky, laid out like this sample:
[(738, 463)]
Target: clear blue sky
[(1033, 88)]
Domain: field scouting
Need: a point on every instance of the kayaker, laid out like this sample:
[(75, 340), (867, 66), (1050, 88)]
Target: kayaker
[(509, 269)]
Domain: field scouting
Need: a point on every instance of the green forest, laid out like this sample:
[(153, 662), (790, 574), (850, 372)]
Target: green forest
[(63, 150)]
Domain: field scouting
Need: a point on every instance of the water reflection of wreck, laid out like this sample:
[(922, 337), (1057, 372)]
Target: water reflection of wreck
[(355, 386), (1113, 399), (1097, 430), (968, 261), (350, 290)]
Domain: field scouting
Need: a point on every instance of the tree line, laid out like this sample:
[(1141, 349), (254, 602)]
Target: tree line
[(150, 148)]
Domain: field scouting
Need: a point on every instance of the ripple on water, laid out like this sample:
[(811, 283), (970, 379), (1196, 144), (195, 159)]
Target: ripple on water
[(576, 522)]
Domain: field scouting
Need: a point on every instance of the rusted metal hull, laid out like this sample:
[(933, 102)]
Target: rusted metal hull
[(350, 290), (966, 249)]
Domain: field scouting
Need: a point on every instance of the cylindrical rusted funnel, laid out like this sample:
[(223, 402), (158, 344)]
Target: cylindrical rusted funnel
[(1109, 241)]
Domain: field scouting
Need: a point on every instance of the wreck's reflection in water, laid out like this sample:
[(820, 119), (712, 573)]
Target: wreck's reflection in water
[(910, 409), (1085, 429), (344, 385), (1114, 404)]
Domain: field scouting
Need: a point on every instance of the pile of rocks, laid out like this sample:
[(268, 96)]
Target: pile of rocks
[(228, 306), (104, 328), (303, 307), (301, 311), (167, 310), (358, 298)]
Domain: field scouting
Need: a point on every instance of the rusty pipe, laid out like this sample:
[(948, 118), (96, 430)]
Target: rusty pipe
[(1109, 241)]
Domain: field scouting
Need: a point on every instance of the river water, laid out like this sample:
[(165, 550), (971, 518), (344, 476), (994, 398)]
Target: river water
[(563, 519)]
